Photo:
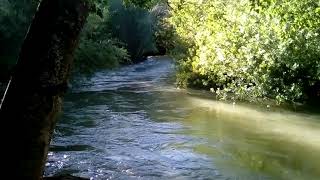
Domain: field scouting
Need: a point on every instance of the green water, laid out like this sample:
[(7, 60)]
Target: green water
[(132, 123), (281, 145)]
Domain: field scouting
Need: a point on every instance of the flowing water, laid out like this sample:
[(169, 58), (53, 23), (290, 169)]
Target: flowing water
[(132, 123)]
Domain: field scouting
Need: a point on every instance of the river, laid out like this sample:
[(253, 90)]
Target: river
[(132, 123)]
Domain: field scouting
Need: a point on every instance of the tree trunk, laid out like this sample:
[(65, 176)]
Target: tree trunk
[(34, 96)]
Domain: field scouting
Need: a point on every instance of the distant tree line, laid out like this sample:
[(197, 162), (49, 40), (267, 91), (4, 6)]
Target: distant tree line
[(119, 33)]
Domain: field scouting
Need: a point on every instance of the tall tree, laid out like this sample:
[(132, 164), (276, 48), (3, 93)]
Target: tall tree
[(34, 96), (36, 89)]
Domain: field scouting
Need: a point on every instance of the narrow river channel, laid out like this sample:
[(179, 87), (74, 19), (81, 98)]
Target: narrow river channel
[(132, 123)]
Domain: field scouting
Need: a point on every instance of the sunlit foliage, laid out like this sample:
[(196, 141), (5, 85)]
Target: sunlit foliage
[(242, 49), (163, 31)]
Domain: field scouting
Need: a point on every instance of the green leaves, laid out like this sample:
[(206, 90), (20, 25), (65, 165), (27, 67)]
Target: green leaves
[(248, 48), (97, 48)]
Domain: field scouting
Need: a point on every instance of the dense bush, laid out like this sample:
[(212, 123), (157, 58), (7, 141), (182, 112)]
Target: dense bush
[(134, 26), (123, 34), (246, 49), (163, 31), (97, 49)]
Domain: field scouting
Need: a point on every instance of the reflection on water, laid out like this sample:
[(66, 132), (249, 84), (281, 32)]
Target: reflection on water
[(282, 145), (133, 124)]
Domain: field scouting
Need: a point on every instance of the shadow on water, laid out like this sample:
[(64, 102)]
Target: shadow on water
[(132, 123)]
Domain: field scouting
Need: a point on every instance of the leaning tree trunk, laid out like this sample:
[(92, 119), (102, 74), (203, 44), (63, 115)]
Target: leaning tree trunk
[(34, 96)]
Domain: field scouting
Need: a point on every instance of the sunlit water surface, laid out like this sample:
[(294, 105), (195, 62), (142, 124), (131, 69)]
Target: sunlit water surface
[(132, 123)]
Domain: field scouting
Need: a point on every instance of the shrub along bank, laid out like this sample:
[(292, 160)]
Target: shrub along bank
[(244, 49)]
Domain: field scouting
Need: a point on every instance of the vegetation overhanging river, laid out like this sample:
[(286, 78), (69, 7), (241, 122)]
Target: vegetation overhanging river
[(132, 123)]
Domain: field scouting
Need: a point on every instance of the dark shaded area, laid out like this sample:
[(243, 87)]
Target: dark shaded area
[(15, 17), (313, 93), (133, 26), (38, 84)]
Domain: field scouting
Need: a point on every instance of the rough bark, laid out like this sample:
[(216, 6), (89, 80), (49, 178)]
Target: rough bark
[(34, 96)]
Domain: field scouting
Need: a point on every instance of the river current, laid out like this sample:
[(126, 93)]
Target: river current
[(132, 123)]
